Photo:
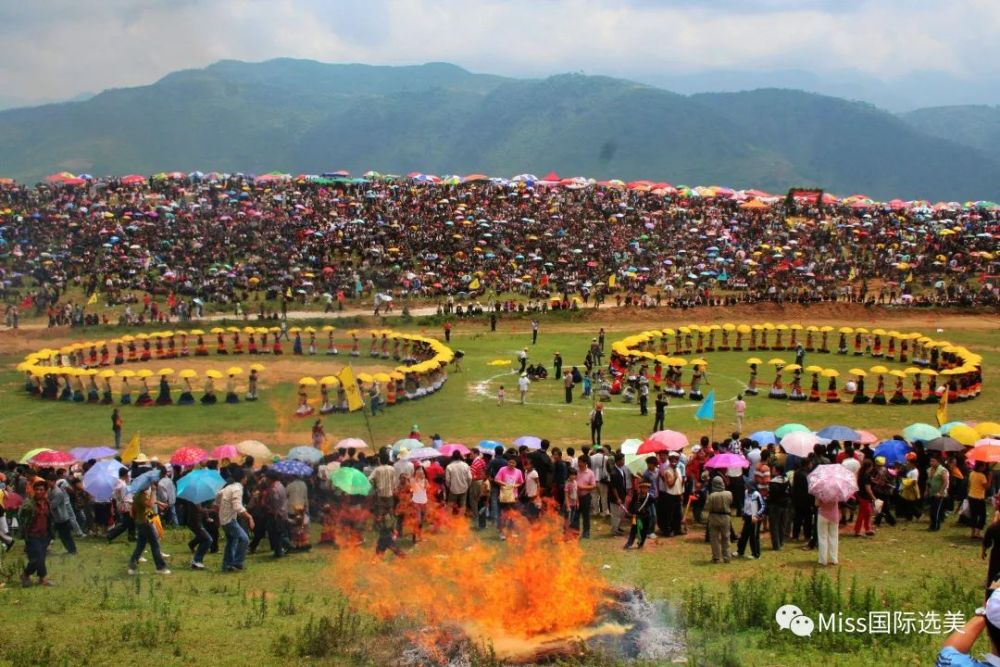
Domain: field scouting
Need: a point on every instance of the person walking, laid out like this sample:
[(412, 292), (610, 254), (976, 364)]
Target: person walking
[(522, 358), (457, 480), (568, 386), (740, 408), (779, 498), (828, 531), (33, 518), (672, 489), (937, 491), (599, 464), (522, 386), (979, 482), (534, 331), (116, 427), (754, 509), (596, 423), (231, 510), (643, 397), (121, 498), (618, 484), (719, 506), (586, 482), (660, 406), (866, 499), (63, 516), (145, 532)]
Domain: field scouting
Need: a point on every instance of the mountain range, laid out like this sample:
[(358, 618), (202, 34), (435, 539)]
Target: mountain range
[(305, 116)]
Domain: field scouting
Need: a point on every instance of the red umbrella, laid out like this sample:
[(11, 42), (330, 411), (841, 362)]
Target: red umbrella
[(663, 441), (11, 501), (53, 459), (984, 453), (188, 456)]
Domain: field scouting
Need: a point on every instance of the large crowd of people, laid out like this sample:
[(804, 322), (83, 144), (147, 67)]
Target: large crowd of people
[(661, 494), (258, 245)]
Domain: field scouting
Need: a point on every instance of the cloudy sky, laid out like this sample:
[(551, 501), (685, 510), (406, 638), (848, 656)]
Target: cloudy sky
[(929, 50)]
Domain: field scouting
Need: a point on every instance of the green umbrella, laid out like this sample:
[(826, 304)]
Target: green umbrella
[(782, 431), (919, 431), (33, 453), (351, 481)]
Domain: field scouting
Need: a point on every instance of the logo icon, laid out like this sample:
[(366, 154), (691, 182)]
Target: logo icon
[(790, 617)]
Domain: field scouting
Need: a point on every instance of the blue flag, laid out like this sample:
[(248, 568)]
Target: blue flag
[(707, 409)]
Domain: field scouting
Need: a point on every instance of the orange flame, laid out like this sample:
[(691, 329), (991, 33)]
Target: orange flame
[(534, 583)]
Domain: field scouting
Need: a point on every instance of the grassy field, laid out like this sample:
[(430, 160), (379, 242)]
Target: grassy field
[(271, 613)]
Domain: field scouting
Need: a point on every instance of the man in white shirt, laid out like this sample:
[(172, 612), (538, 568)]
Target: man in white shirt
[(532, 497), (522, 386), (231, 509), (598, 463), (740, 406), (457, 479)]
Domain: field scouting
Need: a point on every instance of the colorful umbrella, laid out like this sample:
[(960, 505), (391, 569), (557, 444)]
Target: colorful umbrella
[(663, 441), (984, 454), (489, 445), (447, 450), (293, 468), (987, 442), (408, 444), (727, 460), (12, 501), (351, 443), (88, 453), (867, 437), (53, 459), (945, 444), (832, 483), (784, 430), (764, 438), (101, 479), (894, 451), (529, 441), (351, 481), (424, 453), (987, 429), (144, 481), (919, 431), (200, 486), (188, 456), (630, 446), (305, 453), (841, 433), (254, 448), (800, 443), (33, 453), (224, 452)]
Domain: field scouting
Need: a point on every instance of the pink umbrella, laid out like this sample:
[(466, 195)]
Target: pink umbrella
[(188, 456), (349, 443), (727, 460), (446, 450), (832, 483), (800, 443), (53, 459), (12, 501), (867, 437), (663, 441), (224, 452), (982, 442)]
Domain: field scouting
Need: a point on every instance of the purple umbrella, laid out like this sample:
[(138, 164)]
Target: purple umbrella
[(87, 453), (529, 441), (832, 483), (727, 460), (424, 453)]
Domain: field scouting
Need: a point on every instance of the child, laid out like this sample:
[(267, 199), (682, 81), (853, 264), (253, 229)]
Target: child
[(298, 521), (572, 501), (500, 396), (386, 527), (329, 520)]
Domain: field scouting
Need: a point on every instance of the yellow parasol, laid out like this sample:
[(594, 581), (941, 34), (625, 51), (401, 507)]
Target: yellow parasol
[(234, 370), (307, 382), (881, 370), (165, 371), (859, 372), (754, 360), (188, 373), (257, 367), (214, 374), (776, 361), (830, 373)]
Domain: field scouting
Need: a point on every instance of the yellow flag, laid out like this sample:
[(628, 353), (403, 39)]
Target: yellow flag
[(92, 300), (131, 450), (942, 409), (474, 284), (611, 280), (354, 401), (288, 293)]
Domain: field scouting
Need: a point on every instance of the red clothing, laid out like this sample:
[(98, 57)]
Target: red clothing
[(478, 468)]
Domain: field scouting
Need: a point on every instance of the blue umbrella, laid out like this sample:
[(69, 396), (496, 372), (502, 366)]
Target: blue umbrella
[(489, 445), (894, 451), (764, 438), (293, 468), (305, 453), (200, 486), (144, 481), (101, 479), (837, 432)]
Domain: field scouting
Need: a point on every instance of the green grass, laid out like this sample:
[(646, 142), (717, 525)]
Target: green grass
[(465, 410), (97, 611)]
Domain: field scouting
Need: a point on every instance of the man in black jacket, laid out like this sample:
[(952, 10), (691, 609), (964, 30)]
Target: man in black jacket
[(617, 489)]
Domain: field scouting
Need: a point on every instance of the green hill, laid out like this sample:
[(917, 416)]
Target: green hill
[(304, 116), (975, 126)]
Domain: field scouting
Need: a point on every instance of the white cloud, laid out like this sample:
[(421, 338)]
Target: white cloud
[(59, 48)]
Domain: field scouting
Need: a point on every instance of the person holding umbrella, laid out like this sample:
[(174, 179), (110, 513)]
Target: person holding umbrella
[(830, 485), (231, 510), (142, 513)]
